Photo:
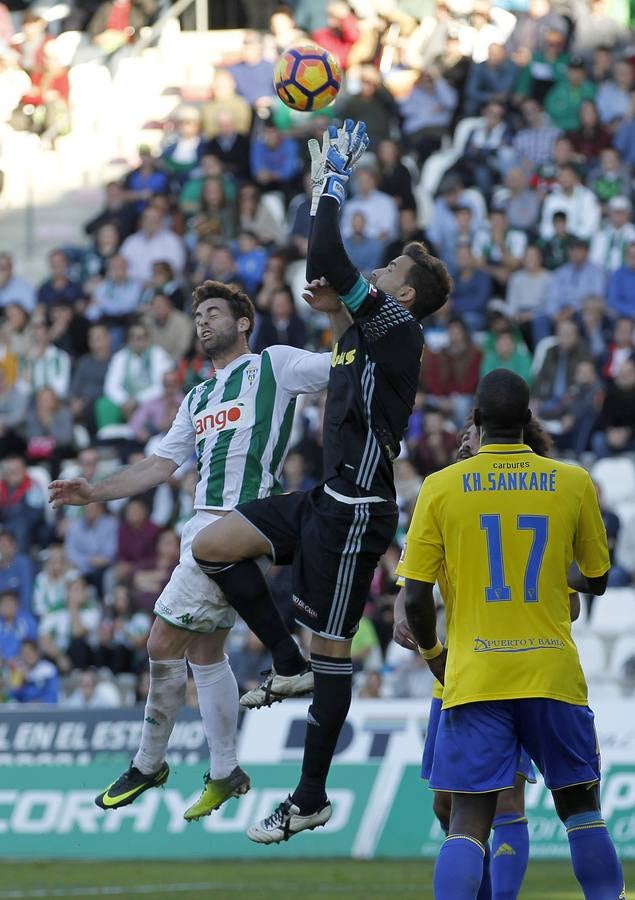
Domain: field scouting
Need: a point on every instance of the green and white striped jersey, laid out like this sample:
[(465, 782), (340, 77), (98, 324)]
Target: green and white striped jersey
[(240, 423)]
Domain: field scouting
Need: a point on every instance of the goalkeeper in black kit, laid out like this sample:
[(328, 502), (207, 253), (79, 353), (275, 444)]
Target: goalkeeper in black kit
[(335, 534)]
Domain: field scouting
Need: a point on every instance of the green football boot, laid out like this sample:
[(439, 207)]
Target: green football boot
[(216, 792), (131, 785)]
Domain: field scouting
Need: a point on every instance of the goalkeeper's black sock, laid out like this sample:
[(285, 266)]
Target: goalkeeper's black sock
[(333, 680)]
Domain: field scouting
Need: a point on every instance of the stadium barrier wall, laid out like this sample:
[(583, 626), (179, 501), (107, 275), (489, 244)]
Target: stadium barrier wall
[(53, 762)]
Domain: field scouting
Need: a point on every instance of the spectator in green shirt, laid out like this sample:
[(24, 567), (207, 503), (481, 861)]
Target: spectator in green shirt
[(507, 354), (563, 102)]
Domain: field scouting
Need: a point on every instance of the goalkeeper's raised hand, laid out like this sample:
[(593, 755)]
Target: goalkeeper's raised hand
[(333, 161)]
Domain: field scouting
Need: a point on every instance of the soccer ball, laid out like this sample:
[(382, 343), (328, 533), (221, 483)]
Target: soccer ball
[(307, 77)]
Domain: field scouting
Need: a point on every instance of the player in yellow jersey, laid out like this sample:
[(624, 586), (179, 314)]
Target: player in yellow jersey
[(507, 526), (504, 872)]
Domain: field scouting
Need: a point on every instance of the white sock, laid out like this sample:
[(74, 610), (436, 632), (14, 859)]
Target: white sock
[(168, 680), (218, 704)]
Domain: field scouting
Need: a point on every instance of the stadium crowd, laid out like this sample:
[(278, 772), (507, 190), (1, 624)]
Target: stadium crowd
[(534, 219)]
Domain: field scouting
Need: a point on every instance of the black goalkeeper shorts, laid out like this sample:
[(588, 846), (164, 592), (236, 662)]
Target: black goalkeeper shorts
[(334, 548)]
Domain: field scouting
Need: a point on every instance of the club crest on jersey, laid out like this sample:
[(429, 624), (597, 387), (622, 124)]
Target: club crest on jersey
[(252, 373), (233, 414)]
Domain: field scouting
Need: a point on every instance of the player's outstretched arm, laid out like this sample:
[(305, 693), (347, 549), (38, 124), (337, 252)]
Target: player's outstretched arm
[(134, 479), (327, 257)]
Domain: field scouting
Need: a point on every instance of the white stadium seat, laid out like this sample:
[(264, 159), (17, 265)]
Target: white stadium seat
[(614, 613), (623, 650), (616, 478), (592, 655)]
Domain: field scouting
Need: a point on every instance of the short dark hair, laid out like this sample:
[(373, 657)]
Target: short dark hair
[(238, 301), (9, 593), (430, 279), (502, 401), (534, 435)]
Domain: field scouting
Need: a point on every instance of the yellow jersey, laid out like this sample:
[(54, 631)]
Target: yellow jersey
[(506, 525)]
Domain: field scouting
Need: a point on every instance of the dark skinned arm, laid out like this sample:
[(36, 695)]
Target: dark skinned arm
[(422, 618), (583, 585)]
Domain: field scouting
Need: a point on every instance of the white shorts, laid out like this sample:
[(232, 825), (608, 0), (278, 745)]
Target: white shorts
[(190, 599)]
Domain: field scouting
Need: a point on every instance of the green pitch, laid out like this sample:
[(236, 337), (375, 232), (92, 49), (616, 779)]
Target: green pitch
[(289, 880)]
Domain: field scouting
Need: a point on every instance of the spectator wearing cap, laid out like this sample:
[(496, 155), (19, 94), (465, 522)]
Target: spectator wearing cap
[(183, 153), (145, 181), (576, 279), (621, 288), (117, 211), (14, 289), (225, 101), (365, 252), (275, 161), (493, 79), (151, 243), (374, 104), (16, 568), (60, 287), (534, 143), (427, 111), (472, 290), (379, 210), (115, 300), (613, 96), (564, 99), (574, 199), (608, 247), (341, 32), (624, 141), (254, 74)]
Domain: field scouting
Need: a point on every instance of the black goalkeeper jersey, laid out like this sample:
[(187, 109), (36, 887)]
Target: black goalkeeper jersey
[(371, 393)]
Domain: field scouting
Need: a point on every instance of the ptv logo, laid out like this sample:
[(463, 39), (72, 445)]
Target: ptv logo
[(233, 414)]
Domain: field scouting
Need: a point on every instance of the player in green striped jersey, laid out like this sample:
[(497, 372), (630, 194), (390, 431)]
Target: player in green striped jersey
[(238, 423)]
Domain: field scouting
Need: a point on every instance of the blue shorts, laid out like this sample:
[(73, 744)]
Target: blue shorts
[(525, 767), (478, 745)]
